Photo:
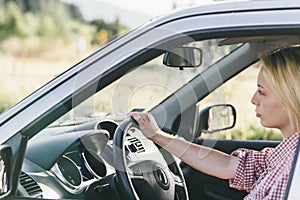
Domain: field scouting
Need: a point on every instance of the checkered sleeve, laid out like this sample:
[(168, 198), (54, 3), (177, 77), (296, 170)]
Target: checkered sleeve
[(251, 166)]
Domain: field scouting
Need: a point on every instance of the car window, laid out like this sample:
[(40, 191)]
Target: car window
[(238, 91), (144, 87)]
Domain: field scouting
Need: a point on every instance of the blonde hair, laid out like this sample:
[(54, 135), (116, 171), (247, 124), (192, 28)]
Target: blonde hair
[(282, 70)]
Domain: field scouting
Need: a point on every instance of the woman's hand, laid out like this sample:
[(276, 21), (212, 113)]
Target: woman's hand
[(146, 123)]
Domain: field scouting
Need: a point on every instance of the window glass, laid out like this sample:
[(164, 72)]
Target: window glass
[(146, 86), (238, 91)]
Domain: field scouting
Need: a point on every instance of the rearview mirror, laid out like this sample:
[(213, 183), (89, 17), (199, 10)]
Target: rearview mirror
[(183, 57), (216, 118), (5, 170)]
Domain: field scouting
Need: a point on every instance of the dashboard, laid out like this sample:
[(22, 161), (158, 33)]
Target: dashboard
[(64, 161)]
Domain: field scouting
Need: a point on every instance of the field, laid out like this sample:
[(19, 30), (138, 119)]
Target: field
[(21, 75)]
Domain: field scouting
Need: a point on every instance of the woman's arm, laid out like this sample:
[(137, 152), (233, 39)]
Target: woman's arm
[(204, 159)]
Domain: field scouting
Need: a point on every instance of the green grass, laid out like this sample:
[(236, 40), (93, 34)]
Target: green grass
[(253, 133)]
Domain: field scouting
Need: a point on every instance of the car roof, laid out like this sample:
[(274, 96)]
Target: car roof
[(223, 7)]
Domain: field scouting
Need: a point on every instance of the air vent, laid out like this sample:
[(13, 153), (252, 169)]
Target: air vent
[(135, 145), (31, 187)]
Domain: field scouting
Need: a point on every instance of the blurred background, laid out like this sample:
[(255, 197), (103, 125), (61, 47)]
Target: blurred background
[(39, 39)]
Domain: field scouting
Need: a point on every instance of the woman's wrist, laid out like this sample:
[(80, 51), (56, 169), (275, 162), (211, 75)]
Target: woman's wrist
[(153, 136), (160, 137)]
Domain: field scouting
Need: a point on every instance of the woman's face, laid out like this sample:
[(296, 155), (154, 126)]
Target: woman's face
[(268, 107)]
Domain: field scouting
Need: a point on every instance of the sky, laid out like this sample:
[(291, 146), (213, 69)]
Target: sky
[(131, 13), (153, 7)]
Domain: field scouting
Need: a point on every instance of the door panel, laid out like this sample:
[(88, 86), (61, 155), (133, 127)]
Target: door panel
[(205, 187)]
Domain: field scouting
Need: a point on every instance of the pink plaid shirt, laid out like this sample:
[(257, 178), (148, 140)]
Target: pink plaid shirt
[(265, 173)]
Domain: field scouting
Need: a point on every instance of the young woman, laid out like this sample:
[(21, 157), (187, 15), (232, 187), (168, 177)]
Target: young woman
[(264, 174)]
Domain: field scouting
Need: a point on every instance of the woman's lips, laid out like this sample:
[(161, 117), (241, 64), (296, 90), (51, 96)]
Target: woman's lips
[(258, 114)]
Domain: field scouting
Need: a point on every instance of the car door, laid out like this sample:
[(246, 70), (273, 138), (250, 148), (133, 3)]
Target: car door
[(208, 187)]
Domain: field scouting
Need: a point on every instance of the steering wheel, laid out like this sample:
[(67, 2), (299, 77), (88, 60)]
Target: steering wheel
[(146, 172)]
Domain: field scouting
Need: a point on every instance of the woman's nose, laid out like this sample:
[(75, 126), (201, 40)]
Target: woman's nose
[(254, 99)]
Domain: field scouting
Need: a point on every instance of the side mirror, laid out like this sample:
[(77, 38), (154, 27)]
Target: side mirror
[(183, 57), (216, 118), (5, 170)]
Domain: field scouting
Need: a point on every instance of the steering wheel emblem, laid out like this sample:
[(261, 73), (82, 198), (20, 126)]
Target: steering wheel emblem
[(162, 178)]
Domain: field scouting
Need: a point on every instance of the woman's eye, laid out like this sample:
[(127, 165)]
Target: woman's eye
[(260, 92)]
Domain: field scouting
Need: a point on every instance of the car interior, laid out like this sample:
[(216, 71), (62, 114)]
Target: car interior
[(95, 151)]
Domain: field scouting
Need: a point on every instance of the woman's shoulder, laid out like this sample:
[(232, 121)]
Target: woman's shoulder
[(285, 150)]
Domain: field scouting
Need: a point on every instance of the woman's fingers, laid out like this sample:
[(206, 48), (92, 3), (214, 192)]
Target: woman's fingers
[(141, 118), (146, 123)]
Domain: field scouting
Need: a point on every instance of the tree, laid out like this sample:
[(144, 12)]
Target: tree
[(106, 30), (10, 19)]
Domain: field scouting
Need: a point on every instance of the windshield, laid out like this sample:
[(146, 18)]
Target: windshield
[(144, 87)]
